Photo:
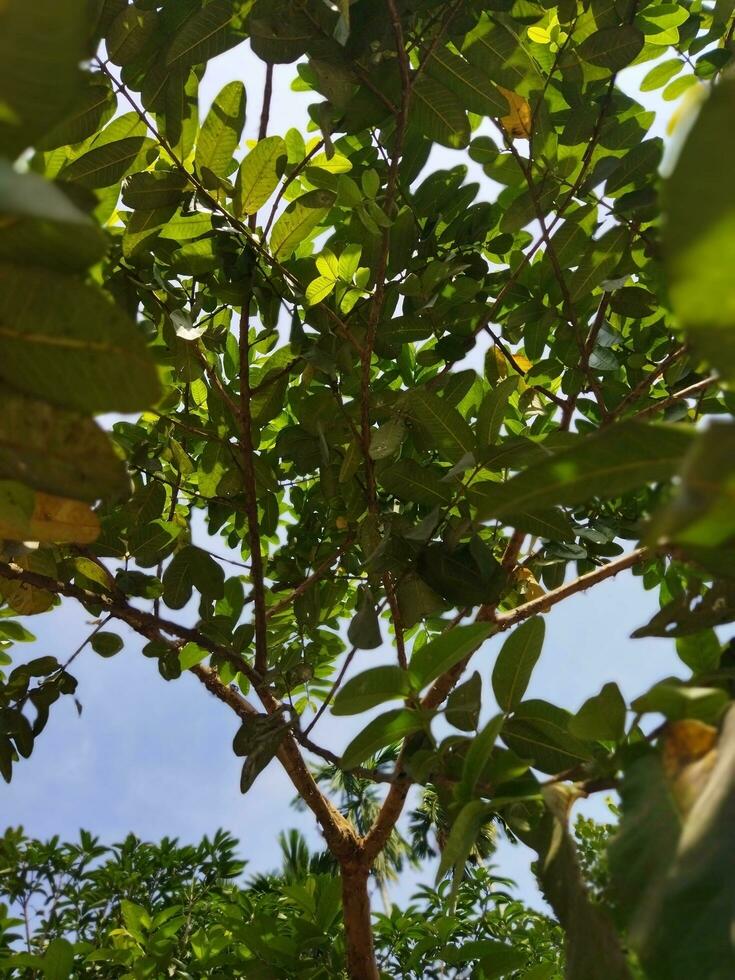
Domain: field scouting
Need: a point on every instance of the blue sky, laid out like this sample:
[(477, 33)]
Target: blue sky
[(154, 757)]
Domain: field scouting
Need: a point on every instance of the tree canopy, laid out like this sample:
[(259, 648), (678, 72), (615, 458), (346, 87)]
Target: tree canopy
[(416, 412)]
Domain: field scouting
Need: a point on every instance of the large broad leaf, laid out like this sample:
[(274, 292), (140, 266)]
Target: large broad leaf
[(64, 341), (550, 523), (221, 131), (500, 54), (439, 114), (91, 109), (703, 510), (29, 516), (442, 653), (57, 451), (259, 174), (471, 86), (699, 204), (107, 164), (208, 32), (461, 840), (298, 221), (670, 861), (41, 46), (538, 731), (515, 663), (370, 688), (443, 428), (41, 226), (612, 47), (381, 731), (605, 464), (192, 568), (592, 947), (407, 480)]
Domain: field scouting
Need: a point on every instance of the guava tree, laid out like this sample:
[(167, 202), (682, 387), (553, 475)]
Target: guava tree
[(299, 320)]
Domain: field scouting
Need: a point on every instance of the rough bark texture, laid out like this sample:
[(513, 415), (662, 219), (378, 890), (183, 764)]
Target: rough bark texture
[(361, 963)]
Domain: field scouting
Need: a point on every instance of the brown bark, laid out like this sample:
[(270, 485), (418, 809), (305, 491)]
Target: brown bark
[(361, 963)]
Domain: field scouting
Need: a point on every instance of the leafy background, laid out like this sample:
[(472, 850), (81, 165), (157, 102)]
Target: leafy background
[(106, 773)]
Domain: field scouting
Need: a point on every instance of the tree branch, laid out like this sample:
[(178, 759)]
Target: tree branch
[(257, 574)]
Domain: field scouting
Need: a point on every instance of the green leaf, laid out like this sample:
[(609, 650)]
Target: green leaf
[(689, 931), (677, 701), (701, 511), (39, 69), (538, 731), (612, 47), (57, 451), (516, 660), (192, 568), (298, 221), (364, 629), (601, 717), (130, 34), (408, 480), (220, 134), (547, 523), (478, 756), (105, 165), (637, 166), (370, 688), (442, 653), (597, 263), (464, 703), (58, 960), (41, 226), (461, 840), (662, 73), (496, 959), (492, 412), (605, 464), (438, 113), (106, 644), (64, 341), (390, 727), (91, 109), (208, 32), (442, 427), (151, 190), (471, 86), (699, 206)]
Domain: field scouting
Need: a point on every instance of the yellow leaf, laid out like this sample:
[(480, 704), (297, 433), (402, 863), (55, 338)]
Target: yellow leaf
[(25, 599), (518, 123), (540, 35), (689, 754), (54, 519), (523, 362)]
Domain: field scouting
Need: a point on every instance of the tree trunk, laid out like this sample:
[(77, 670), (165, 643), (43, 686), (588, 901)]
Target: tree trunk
[(361, 963)]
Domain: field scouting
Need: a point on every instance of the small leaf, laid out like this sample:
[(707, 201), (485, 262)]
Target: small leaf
[(106, 644), (364, 629), (463, 704)]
